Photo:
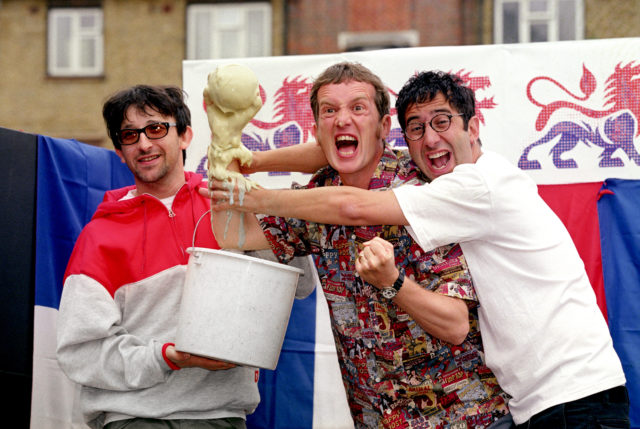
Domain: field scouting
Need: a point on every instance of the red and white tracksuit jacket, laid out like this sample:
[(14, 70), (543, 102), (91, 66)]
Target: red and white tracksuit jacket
[(119, 308)]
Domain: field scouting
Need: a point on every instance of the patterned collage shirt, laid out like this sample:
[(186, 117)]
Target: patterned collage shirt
[(395, 374)]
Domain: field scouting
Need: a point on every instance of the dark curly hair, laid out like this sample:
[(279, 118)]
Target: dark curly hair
[(425, 86)]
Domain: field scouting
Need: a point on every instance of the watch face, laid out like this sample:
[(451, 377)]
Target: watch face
[(389, 292)]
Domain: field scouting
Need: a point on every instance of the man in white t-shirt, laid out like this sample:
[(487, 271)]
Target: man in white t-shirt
[(544, 335)]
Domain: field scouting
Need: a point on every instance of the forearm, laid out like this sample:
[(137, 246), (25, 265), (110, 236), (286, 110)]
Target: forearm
[(337, 205), (235, 229), (238, 230), (443, 317), (304, 158), (94, 350)]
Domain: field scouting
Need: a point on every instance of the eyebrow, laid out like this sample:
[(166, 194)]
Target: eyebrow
[(149, 122), (332, 102), (435, 112)]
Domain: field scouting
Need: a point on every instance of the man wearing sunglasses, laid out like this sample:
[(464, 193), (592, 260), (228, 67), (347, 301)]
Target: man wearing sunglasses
[(123, 284), (544, 335)]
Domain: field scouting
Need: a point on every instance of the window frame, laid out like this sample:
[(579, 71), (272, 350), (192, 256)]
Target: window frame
[(369, 40), (196, 12), (527, 18), (77, 35)]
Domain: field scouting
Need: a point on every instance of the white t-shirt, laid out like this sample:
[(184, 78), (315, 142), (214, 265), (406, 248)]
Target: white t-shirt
[(168, 201), (544, 336)]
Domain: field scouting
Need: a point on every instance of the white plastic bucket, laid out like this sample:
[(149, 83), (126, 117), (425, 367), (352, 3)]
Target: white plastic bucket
[(235, 307)]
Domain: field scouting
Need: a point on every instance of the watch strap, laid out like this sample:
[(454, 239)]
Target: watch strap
[(390, 292), (399, 281)]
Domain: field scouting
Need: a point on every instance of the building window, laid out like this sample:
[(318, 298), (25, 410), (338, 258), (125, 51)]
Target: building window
[(366, 41), (520, 21), (228, 30), (75, 42)]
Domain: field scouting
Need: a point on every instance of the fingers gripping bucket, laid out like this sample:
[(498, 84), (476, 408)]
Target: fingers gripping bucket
[(235, 307)]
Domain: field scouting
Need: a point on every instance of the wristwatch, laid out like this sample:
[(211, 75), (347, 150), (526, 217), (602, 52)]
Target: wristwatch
[(391, 291)]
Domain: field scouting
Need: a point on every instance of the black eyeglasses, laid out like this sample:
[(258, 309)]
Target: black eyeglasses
[(440, 123), (154, 131)]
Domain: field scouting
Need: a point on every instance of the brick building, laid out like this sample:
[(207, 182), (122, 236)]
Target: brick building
[(59, 59)]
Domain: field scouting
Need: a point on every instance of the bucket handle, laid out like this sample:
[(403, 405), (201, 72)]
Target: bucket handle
[(193, 240)]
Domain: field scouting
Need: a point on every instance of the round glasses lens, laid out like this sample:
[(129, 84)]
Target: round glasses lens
[(440, 122), (415, 130), (156, 131), (128, 136)]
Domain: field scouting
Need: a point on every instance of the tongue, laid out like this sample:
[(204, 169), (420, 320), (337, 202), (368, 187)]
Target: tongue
[(347, 148), (440, 161)]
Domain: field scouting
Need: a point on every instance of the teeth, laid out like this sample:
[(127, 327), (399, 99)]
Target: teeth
[(437, 155), (345, 138)]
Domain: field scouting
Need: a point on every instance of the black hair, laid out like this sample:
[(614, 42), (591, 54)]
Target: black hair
[(166, 100), (425, 86)]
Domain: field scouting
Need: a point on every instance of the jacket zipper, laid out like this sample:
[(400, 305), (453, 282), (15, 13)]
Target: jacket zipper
[(172, 216)]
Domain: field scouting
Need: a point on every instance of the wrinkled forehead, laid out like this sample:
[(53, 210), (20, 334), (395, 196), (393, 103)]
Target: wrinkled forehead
[(347, 90)]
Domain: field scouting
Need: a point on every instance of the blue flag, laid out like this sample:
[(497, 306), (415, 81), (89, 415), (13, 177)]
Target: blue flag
[(618, 209)]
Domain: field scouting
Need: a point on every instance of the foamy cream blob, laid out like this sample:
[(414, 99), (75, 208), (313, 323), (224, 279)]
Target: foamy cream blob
[(232, 98), (234, 87)]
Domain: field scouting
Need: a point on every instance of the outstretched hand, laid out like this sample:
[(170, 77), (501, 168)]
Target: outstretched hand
[(252, 166), (225, 195), (376, 263), (187, 360)]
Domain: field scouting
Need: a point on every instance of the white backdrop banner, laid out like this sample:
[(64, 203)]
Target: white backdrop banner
[(564, 112)]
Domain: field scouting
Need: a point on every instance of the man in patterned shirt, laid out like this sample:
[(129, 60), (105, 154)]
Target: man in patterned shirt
[(410, 354)]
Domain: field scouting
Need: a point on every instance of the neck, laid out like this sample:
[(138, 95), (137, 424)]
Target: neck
[(158, 189), (357, 180), (476, 152), (362, 178)]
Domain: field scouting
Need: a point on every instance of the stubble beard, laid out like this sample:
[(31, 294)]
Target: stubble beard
[(152, 176)]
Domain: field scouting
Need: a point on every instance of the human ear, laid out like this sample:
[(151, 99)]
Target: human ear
[(186, 137), (121, 156)]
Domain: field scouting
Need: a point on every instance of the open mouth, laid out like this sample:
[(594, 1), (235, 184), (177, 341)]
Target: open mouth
[(439, 160), (346, 145)]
